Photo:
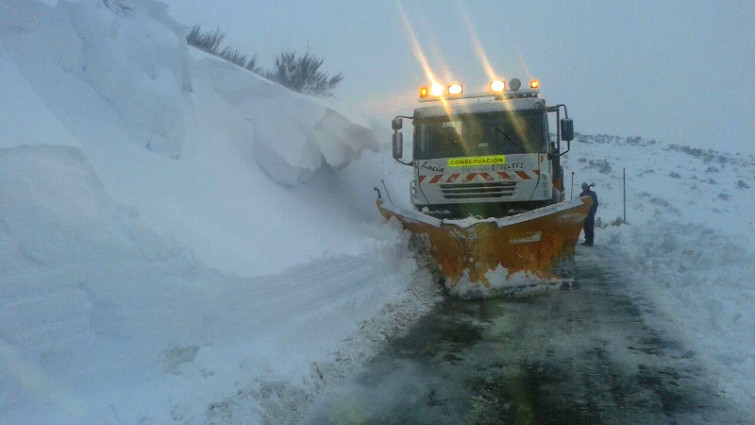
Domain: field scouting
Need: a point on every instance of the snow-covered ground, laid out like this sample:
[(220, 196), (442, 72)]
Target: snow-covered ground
[(182, 241), (688, 246)]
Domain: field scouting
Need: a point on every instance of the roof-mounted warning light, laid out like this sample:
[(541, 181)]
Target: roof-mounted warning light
[(436, 89), (498, 89)]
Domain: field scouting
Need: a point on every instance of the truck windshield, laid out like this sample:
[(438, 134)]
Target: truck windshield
[(497, 133)]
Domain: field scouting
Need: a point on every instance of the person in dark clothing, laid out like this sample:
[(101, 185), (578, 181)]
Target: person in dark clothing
[(589, 226)]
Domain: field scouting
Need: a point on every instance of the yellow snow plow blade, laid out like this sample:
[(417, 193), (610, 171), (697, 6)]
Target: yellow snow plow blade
[(535, 245)]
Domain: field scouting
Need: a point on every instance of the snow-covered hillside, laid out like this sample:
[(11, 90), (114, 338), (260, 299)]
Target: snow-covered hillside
[(689, 244), (182, 241)]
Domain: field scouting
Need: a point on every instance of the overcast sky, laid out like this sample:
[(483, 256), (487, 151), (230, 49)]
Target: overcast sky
[(677, 71)]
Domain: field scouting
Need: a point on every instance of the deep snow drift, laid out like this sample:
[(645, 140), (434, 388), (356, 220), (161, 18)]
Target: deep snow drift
[(182, 241), (159, 250)]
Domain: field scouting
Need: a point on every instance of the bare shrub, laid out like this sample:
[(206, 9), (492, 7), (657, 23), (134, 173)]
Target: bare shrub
[(207, 41), (302, 74), (234, 56), (251, 65)]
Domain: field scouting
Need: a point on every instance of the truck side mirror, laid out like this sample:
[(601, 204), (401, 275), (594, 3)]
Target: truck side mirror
[(567, 129), (397, 123), (398, 144)]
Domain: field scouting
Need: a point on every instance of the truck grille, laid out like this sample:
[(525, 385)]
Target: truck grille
[(478, 190)]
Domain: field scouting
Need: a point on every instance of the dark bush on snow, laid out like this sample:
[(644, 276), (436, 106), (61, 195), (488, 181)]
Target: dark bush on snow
[(302, 74), (207, 41), (210, 43), (234, 56)]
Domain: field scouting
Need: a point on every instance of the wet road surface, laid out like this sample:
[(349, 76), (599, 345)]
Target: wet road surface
[(585, 355)]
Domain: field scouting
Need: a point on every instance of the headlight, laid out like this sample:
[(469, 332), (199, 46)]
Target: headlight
[(497, 86), (437, 90), (455, 89)]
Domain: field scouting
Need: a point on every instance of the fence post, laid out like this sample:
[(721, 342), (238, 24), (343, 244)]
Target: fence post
[(625, 195), (571, 191)]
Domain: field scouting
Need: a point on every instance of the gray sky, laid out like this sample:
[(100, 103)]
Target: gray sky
[(677, 71)]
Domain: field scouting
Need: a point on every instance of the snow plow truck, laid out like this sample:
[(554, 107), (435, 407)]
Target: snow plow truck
[(488, 189)]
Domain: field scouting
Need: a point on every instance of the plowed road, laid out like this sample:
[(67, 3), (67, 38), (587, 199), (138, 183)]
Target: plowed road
[(586, 355)]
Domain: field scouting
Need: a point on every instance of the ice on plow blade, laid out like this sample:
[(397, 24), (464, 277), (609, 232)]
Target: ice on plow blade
[(490, 257)]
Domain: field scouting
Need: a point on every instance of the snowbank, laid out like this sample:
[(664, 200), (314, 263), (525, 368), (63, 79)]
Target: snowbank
[(103, 321), (135, 59), (293, 136), (169, 132), (150, 268)]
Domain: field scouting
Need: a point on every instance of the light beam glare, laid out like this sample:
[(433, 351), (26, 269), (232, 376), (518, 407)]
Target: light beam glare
[(523, 63), (518, 126), (419, 54), (517, 123), (477, 45), (416, 49)]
